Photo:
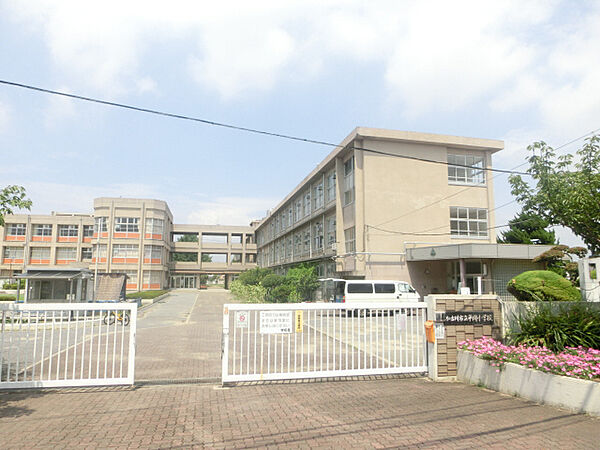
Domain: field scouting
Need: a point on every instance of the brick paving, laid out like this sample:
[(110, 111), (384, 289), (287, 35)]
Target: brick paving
[(379, 412)]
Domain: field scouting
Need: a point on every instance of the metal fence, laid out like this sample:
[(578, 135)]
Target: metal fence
[(308, 340), (64, 344)]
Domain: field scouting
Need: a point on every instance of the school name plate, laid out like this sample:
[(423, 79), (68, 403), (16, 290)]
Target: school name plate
[(468, 318)]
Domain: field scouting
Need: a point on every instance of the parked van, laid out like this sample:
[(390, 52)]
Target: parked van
[(353, 291)]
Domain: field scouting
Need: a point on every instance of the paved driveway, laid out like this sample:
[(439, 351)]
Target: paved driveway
[(180, 338)]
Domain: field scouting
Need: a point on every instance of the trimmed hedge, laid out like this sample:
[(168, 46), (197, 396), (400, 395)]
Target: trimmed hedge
[(7, 297), (542, 285)]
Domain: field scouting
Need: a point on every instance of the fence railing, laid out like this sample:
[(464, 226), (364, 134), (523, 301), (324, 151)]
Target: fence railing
[(67, 344), (307, 340)]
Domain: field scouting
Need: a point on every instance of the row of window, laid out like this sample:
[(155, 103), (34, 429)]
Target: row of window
[(45, 230), (312, 238), (312, 199), (466, 169), (152, 254)]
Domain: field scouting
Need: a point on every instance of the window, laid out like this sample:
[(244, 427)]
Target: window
[(385, 288), (330, 181), (306, 241), (102, 251), (250, 257), (318, 195), (349, 181), (360, 288), (214, 238), (68, 230), (236, 238), (214, 258), (88, 230), (350, 237), (125, 251), (132, 276), (154, 227), (42, 229), (66, 254), (298, 211), (39, 253), (468, 222), (13, 253), (306, 204), (153, 254), (473, 173), (16, 229), (331, 231), (297, 243), (86, 253), (291, 216), (236, 258), (152, 279), (101, 225), (249, 239), (127, 225), (318, 231)]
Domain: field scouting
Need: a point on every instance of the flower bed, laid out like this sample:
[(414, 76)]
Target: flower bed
[(573, 362)]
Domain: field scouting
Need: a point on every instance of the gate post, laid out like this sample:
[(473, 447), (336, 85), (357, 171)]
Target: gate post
[(225, 345)]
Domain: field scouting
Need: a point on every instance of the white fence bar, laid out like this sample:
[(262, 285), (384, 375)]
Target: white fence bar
[(309, 340), (67, 344)]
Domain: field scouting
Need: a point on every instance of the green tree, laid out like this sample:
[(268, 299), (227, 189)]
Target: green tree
[(11, 198), (206, 257), (528, 228), (303, 278), (565, 193), (559, 259), (188, 238), (254, 276), (184, 257)]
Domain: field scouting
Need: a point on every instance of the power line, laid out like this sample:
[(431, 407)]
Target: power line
[(240, 128)]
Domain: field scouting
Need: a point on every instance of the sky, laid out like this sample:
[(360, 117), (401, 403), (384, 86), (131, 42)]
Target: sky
[(510, 70)]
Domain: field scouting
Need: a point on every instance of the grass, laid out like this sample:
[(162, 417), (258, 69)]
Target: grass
[(146, 294)]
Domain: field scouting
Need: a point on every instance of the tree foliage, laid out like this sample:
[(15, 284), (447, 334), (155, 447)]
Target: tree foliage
[(559, 259), (528, 228), (298, 284), (565, 193), (11, 198), (188, 238)]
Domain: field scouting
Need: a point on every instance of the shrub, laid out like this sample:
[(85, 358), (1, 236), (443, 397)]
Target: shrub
[(542, 285), (146, 294), (8, 285), (248, 293), (7, 297), (559, 326)]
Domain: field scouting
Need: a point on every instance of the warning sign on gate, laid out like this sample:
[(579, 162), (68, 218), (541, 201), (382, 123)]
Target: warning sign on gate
[(241, 319), (273, 322), (299, 321)]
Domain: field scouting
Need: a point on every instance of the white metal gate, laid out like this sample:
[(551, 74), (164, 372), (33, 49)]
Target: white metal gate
[(309, 340), (67, 344)]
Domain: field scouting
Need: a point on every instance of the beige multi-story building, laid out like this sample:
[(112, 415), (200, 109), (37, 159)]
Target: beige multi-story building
[(379, 195), (384, 204), (132, 236)]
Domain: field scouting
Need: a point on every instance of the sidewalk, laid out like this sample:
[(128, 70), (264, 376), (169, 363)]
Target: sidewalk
[(380, 412)]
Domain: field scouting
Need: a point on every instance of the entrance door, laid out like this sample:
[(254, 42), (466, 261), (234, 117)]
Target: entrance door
[(183, 281)]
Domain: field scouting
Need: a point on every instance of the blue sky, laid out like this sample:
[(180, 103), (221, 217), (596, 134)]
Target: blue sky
[(510, 70)]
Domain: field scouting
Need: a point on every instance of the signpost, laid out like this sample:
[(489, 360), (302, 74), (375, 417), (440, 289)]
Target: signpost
[(468, 318)]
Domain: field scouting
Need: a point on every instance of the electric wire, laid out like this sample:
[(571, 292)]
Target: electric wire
[(238, 127)]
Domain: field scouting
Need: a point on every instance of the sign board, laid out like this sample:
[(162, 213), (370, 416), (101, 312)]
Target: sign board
[(469, 318), (273, 322), (299, 321), (401, 321), (440, 331), (241, 319)]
